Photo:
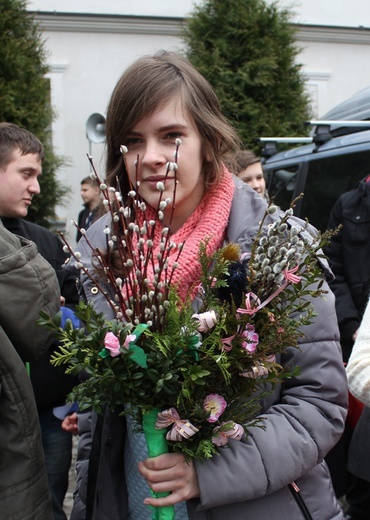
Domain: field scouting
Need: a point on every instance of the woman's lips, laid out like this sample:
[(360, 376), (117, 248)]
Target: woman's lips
[(153, 181)]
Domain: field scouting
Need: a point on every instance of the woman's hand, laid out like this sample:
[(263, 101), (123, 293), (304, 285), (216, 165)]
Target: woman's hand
[(170, 473)]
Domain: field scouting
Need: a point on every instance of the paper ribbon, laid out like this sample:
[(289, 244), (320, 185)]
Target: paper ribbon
[(227, 344), (200, 289), (256, 371), (221, 436), (289, 277), (249, 309), (181, 429), (207, 320)]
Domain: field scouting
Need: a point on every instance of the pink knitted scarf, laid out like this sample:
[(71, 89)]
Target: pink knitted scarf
[(208, 221)]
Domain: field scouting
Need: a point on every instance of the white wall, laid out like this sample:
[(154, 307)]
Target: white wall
[(330, 12), (316, 12), (84, 69), (87, 54)]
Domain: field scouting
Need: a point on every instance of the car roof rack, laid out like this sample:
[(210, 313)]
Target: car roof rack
[(323, 133), (326, 129), (269, 148), (330, 122)]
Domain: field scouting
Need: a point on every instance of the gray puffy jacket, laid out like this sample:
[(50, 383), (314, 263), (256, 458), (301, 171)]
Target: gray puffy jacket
[(303, 420)]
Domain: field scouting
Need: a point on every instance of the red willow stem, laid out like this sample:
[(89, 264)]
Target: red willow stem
[(125, 233)]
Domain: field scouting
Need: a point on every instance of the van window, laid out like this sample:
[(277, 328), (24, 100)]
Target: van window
[(281, 184), (322, 181)]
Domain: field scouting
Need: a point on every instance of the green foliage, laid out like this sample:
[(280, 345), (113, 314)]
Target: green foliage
[(25, 96), (246, 50), (222, 353), (204, 363)]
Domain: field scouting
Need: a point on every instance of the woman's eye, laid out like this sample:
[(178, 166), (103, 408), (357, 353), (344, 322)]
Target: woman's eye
[(132, 141), (172, 136)]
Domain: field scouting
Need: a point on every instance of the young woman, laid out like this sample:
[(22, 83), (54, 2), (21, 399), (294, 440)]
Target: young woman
[(248, 168), (157, 100)]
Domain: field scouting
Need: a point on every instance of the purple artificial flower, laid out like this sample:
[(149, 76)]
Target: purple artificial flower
[(251, 338)]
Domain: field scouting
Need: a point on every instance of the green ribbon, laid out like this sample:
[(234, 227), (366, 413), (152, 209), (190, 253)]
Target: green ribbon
[(138, 355), (157, 445), (193, 341)]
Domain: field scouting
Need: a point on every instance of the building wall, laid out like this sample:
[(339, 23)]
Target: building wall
[(90, 43)]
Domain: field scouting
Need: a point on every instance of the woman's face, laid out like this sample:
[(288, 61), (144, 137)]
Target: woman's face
[(253, 175), (153, 139)]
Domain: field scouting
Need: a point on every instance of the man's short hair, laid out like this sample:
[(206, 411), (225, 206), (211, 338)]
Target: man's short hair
[(90, 181), (13, 137)]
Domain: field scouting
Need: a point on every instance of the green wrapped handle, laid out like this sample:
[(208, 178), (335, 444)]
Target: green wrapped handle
[(157, 445)]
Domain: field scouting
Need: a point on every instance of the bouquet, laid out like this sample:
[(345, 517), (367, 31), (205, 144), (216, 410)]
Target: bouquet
[(191, 372)]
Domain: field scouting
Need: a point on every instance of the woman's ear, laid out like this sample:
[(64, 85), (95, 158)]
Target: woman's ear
[(209, 148)]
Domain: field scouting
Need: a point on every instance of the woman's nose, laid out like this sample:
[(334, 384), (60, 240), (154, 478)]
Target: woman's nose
[(153, 155)]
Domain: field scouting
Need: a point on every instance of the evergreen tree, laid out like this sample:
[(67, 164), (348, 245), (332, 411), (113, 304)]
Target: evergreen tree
[(246, 49), (25, 97)]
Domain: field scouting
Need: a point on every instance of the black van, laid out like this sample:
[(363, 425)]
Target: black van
[(336, 158)]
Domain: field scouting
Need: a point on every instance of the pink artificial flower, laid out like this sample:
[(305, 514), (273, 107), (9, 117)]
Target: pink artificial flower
[(129, 338), (251, 338), (214, 404), (111, 343)]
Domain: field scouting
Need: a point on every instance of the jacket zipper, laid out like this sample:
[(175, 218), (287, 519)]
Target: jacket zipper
[(294, 489)]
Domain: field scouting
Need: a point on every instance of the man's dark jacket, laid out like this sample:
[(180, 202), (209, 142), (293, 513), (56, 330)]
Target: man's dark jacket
[(349, 258), (50, 384), (86, 217)]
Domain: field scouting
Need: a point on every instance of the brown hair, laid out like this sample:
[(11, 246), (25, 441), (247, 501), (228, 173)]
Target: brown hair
[(241, 160), (12, 138), (91, 182), (149, 82)]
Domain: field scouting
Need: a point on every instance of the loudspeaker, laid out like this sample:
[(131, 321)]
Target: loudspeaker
[(95, 128)]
